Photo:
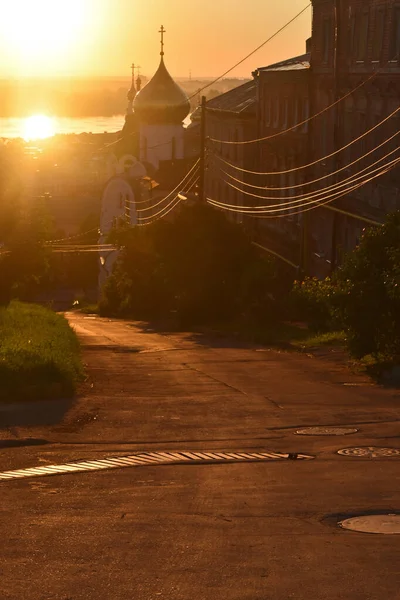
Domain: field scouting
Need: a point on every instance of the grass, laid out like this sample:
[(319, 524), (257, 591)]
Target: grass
[(88, 309), (39, 354), (313, 340)]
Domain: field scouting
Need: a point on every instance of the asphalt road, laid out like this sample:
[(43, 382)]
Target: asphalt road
[(240, 531)]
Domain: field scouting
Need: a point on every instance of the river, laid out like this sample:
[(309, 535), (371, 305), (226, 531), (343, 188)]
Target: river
[(22, 127), (16, 127)]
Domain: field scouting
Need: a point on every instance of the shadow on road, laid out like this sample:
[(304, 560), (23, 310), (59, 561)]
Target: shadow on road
[(34, 414), (210, 338)]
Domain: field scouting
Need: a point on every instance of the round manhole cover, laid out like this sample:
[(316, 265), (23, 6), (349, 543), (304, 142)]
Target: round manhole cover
[(370, 452), (383, 524), (326, 431)]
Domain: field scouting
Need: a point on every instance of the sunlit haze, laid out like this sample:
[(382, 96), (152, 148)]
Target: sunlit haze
[(102, 37), (38, 127)]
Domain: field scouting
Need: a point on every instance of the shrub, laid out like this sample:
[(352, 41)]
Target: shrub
[(369, 291), (313, 301), (202, 267)]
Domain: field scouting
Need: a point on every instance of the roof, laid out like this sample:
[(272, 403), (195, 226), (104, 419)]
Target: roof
[(296, 63), (241, 99), (161, 100)]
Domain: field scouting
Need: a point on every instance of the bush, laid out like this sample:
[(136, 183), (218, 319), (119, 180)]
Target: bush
[(313, 301), (201, 267), (39, 354), (369, 291)]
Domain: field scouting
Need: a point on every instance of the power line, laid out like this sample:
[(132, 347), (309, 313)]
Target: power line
[(301, 123), (298, 198), (180, 184), (165, 207), (252, 52), (286, 260), (315, 203), (307, 183), (285, 26), (178, 201), (315, 161)]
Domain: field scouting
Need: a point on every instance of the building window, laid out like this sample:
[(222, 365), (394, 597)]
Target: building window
[(285, 113), (306, 114), (268, 111), (395, 40), (327, 43), (361, 37), (275, 110), (377, 39), (235, 147)]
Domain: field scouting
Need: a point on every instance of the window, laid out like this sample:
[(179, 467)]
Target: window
[(327, 42), (379, 30), (276, 112), (361, 36), (285, 113), (395, 41), (306, 114), (267, 106)]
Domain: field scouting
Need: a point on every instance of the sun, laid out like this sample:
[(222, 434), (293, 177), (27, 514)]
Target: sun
[(38, 127), (38, 33)]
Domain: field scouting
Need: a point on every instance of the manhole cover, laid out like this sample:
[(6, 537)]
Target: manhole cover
[(326, 431), (370, 452), (383, 524)]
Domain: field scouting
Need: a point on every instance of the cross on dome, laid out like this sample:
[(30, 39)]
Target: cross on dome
[(162, 31)]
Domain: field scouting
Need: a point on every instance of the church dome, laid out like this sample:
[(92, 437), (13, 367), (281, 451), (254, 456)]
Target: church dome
[(161, 100)]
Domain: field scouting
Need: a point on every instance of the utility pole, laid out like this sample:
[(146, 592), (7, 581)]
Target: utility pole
[(202, 177), (336, 129)]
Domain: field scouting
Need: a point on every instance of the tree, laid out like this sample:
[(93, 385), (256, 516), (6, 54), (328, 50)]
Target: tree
[(200, 267), (368, 291)]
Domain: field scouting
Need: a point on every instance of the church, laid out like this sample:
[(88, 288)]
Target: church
[(149, 159)]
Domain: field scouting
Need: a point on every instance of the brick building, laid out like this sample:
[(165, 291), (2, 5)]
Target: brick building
[(231, 117), (283, 91), (367, 40)]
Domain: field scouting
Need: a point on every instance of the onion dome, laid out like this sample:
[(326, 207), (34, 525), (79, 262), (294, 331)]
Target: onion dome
[(161, 100)]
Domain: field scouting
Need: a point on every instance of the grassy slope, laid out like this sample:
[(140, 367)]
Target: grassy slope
[(39, 354)]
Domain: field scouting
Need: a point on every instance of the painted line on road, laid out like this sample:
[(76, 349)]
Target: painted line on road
[(147, 459)]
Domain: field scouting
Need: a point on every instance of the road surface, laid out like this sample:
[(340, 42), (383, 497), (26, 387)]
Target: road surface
[(235, 531)]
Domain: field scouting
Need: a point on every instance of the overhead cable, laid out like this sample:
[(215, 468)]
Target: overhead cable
[(177, 201), (165, 207), (297, 125), (315, 203), (360, 137), (307, 183), (227, 71), (178, 187), (300, 197), (290, 205)]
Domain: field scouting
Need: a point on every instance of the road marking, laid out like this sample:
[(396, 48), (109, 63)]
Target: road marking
[(149, 459)]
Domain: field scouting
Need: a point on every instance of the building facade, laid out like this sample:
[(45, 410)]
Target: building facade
[(283, 100), (231, 118), (355, 53)]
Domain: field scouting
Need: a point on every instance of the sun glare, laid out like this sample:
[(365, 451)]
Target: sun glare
[(39, 33), (38, 127)]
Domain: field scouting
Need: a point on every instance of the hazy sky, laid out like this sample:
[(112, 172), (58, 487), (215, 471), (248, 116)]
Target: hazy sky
[(103, 37)]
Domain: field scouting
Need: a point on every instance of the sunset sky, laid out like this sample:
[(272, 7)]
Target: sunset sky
[(102, 37)]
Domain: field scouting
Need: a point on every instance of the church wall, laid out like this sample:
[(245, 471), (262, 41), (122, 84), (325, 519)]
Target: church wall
[(116, 206), (156, 143)]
